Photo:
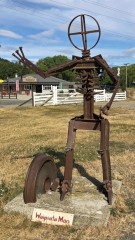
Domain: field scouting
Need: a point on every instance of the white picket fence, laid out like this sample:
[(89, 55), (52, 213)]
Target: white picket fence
[(102, 96), (57, 96)]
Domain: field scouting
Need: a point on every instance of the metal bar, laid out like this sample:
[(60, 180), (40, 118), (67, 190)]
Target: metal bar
[(69, 148), (66, 184), (87, 125), (114, 78), (105, 158), (83, 27), (86, 32), (51, 71), (22, 52)]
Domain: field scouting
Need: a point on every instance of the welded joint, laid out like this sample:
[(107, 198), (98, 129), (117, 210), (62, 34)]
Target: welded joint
[(67, 149), (66, 186), (101, 151), (55, 184), (107, 184)]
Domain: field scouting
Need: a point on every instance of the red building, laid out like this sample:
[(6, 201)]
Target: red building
[(32, 83)]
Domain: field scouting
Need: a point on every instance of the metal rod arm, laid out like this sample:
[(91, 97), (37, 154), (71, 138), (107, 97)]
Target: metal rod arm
[(21, 58), (100, 61)]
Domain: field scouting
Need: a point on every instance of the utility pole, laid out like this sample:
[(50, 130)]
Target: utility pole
[(126, 64)]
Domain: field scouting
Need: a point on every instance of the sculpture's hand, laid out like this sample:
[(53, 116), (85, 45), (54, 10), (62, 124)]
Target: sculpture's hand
[(105, 109)]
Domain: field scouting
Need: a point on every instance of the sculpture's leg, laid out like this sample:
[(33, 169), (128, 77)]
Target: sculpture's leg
[(66, 184), (105, 157)]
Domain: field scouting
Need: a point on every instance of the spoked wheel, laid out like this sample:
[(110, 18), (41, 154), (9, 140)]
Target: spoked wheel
[(40, 178)]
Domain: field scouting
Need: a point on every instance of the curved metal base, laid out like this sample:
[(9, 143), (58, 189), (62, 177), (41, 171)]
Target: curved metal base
[(41, 177)]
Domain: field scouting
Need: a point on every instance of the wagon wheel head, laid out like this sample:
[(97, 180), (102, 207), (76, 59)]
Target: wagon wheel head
[(83, 32)]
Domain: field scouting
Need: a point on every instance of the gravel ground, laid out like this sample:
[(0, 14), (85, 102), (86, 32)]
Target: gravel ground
[(125, 104), (130, 104), (13, 103)]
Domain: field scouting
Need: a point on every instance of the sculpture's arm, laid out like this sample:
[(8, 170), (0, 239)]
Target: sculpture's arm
[(21, 58), (100, 61)]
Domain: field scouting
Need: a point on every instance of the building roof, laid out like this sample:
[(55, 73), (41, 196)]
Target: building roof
[(35, 78)]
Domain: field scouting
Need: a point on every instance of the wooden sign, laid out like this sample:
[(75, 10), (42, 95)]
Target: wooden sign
[(29, 79), (52, 217)]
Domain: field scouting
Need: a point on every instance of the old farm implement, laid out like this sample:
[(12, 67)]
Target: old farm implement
[(42, 172)]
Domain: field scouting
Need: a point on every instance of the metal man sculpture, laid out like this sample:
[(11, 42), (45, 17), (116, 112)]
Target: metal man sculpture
[(42, 173)]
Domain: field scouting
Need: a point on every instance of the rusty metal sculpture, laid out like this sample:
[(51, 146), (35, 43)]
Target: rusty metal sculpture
[(42, 173)]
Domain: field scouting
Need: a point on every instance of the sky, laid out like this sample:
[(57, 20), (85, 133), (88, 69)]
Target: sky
[(41, 28)]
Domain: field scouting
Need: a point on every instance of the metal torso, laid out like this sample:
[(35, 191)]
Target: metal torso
[(87, 73)]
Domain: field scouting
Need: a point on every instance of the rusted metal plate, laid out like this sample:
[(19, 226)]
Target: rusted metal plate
[(87, 125)]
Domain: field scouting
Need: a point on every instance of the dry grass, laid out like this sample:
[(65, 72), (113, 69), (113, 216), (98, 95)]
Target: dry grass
[(27, 131)]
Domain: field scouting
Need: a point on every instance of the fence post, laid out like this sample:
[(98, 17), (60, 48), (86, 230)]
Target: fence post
[(33, 99), (104, 95), (95, 98), (55, 95)]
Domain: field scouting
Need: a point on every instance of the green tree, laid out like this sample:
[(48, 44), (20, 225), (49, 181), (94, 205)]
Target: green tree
[(9, 69), (130, 77), (50, 62)]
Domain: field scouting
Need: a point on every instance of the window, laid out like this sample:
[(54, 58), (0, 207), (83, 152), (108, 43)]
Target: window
[(46, 87), (4, 88), (27, 87)]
